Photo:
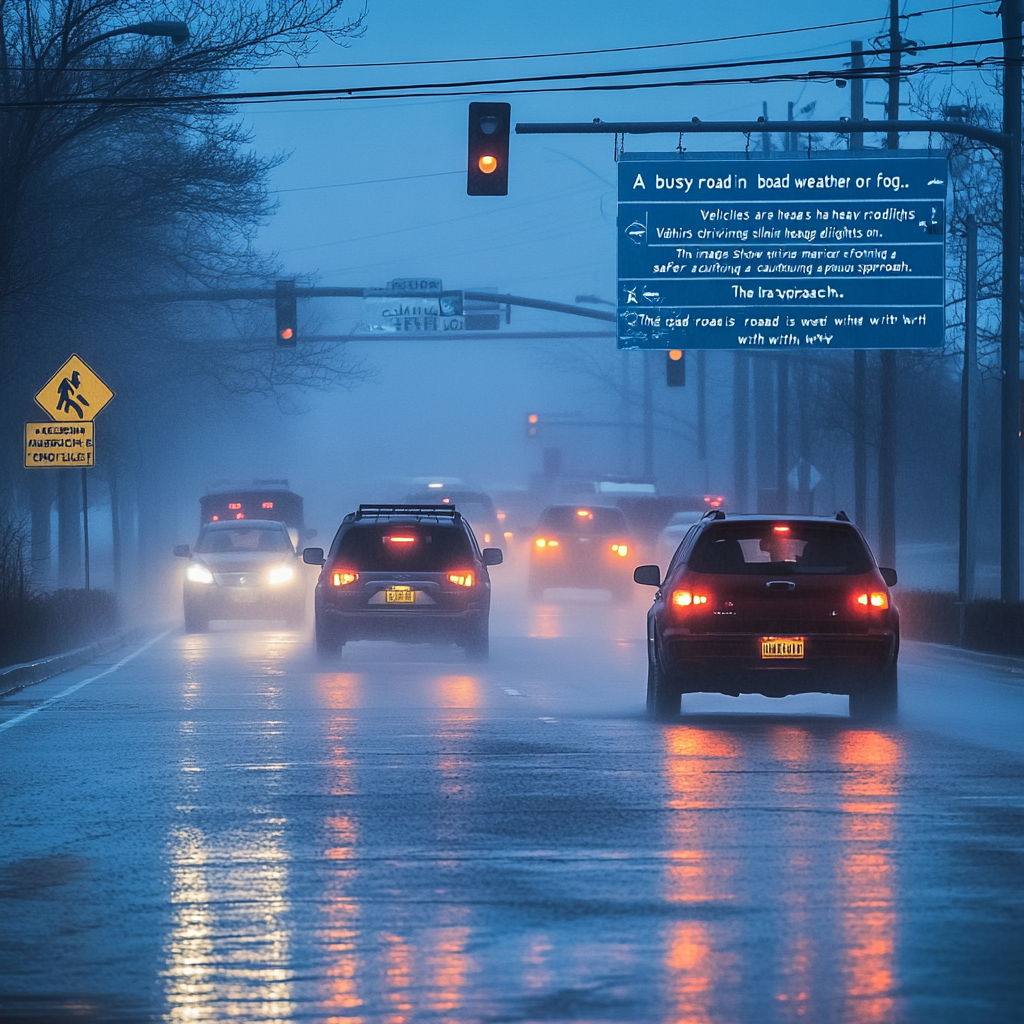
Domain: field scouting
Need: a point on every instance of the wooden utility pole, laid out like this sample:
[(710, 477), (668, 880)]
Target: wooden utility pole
[(887, 390)]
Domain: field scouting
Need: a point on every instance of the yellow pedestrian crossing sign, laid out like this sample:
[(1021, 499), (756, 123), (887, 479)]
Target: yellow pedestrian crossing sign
[(74, 393)]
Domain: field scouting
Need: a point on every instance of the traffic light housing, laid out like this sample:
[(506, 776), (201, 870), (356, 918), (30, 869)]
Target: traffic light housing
[(675, 368), (285, 313), (487, 164)]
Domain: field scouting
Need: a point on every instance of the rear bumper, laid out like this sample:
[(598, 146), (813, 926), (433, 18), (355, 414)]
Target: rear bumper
[(421, 626), (731, 663)]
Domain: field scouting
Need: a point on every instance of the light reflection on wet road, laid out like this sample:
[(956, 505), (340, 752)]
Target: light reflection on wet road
[(226, 829)]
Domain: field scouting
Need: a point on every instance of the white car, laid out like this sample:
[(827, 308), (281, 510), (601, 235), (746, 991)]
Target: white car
[(669, 538)]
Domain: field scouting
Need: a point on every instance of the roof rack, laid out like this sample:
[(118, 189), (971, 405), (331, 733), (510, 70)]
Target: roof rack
[(714, 513), (407, 511)]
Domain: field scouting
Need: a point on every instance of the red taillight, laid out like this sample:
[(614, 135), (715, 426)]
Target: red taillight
[(235, 504), (879, 600), (620, 549), (268, 504), (402, 540), (215, 519), (461, 579), (687, 598), (239, 515), (546, 542), (342, 578)]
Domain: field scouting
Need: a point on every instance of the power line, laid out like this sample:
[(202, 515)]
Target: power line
[(459, 88), (368, 181)]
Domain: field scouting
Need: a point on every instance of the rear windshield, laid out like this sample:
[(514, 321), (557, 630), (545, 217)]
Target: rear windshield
[(775, 548), (243, 538), (393, 547), (583, 519)]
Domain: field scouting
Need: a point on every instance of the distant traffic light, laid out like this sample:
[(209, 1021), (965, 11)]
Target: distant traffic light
[(675, 368), (487, 167), (532, 424), (284, 306)]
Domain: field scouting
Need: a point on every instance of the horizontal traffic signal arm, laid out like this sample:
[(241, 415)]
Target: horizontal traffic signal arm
[(269, 294), (999, 140)]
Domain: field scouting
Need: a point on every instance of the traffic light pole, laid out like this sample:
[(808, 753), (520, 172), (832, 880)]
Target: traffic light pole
[(1008, 143)]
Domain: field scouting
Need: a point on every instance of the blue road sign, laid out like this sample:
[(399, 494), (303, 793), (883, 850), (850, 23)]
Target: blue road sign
[(717, 251)]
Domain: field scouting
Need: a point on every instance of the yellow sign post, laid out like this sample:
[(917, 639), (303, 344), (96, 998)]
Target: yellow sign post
[(74, 393), (59, 445)]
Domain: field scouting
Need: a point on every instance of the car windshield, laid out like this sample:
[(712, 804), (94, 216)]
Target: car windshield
[(394, 547), (243, 538), (583, 519), (780, 548)]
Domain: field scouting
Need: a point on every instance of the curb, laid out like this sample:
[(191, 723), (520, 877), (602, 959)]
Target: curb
[(947, 652), (17, 677)]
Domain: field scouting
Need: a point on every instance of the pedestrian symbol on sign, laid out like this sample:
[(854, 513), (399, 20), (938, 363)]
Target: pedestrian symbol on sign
[(68, 396)]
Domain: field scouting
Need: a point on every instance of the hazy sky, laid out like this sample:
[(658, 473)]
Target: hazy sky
[(459, 407)]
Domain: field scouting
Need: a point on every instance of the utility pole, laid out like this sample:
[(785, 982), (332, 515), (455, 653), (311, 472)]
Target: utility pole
[(887, 390), (782, 452), (741, 431), (648, 418), (1009, 532), (968, 426), (860, 391)]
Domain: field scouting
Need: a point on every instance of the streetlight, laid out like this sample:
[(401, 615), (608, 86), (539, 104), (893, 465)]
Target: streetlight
[(176, 31)]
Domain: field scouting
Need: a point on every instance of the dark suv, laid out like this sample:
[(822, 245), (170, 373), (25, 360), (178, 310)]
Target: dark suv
[(777, 606), (404, 572)]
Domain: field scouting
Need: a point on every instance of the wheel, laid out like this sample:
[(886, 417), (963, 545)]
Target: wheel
[(194, 622), (327, 640), (662, 697), (879, 701), (478, 643)]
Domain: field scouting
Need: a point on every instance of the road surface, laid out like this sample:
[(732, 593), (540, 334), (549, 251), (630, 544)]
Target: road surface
[(222, 827)]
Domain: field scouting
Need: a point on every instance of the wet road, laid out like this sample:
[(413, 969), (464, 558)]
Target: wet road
[(224, 828)]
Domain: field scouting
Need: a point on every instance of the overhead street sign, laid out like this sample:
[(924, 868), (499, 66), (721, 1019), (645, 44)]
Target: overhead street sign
[(398, 314), (844, 250), (74, 393), (59, 445)]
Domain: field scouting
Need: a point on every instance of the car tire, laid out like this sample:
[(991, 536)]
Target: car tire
[(195, 623), (663, 698), (879, 700), (328, 642), (477, 644)]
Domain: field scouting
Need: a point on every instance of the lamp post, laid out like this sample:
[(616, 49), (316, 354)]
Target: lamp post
[(176, 31)]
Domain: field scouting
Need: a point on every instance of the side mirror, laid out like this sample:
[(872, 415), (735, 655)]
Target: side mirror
[(313, 556), (492, 556), (647, 575), (182, 551), (890, 577)]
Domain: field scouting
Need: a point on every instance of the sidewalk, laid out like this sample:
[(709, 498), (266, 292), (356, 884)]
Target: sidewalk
[(17, 677), (942, 654)]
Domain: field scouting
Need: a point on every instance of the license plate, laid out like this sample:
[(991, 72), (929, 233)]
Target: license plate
[(393, 595), (782, 647)]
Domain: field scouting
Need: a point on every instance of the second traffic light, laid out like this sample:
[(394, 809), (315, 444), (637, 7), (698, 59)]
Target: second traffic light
[(487, 164), (675, 368), (286, 313)]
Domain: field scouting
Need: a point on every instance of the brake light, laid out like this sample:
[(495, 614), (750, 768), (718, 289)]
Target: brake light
[(239, 515), (461, 579), (878, 600), (268, 504), (546, 542), (686, 598), (235, 504), (621, 549), (402, 540), (781, 529), (584, 513), (215, 519), (343, 578)]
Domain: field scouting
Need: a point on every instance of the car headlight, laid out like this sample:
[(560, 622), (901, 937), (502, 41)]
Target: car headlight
[(198, 573), (281, 574)]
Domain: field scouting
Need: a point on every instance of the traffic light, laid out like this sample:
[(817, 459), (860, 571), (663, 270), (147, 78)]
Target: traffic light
[(284, 307), (532, 424), (487, 167), (675, 368)]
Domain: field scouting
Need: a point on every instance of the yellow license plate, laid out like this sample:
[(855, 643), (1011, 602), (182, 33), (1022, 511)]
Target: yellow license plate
[(395, 596), (782, 647)]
